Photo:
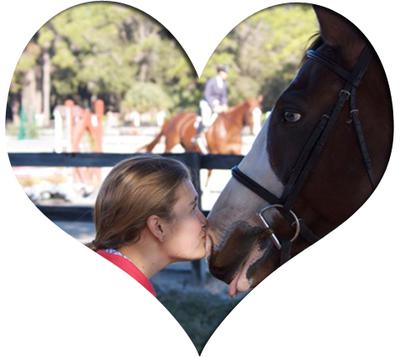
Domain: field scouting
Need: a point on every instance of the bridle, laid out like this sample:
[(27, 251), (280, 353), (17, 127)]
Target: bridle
[(311, 152)]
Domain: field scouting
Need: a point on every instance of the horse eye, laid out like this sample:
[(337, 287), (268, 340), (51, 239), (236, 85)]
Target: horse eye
[(292, 117)]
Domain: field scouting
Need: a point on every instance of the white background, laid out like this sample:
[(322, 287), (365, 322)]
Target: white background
[(338, 298)]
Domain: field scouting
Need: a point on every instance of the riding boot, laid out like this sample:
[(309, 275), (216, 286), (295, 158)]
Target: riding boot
[(200, 140), (199, 129)]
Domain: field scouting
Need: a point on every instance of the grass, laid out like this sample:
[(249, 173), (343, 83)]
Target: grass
[(199, 313)]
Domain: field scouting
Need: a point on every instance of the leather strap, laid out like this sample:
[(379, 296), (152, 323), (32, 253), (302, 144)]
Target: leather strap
[(315, 144)]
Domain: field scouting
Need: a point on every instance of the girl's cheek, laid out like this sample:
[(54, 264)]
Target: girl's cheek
[(190, 225), (197, 227)]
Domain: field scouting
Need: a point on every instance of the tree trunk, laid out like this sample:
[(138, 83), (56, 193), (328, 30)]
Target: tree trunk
[(46, 88), (29, 95), (143, 71)]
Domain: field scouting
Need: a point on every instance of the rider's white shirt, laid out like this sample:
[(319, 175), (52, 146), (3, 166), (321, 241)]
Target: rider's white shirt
[(220, 82)]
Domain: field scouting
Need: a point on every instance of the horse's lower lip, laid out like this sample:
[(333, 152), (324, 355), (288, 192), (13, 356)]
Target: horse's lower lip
[(240, 274), (233, 284)]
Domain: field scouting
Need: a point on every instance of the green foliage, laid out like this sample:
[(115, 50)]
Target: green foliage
[(28, 60), (265, 50), (117, 52), (32, 131), (144, 96)]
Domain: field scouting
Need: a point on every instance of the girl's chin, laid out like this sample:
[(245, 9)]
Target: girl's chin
[(202, 249)]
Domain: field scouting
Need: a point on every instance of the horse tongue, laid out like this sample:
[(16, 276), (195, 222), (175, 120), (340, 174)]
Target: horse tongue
[(233, 285)]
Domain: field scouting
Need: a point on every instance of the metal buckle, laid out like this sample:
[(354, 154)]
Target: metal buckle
[(353, 114), (345, 93), (275, 239)]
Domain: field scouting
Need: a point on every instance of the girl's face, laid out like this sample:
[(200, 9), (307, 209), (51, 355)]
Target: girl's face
[(186, 237)]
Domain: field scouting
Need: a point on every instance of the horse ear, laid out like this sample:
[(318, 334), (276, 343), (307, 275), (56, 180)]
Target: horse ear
[(335, 30)]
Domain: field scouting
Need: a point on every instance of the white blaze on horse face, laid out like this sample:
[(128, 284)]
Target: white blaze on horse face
[(236, 202), (257, 164), (256, 113)]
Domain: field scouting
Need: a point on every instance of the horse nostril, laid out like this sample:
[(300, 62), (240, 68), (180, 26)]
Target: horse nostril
[(221, 270), (221, 273)]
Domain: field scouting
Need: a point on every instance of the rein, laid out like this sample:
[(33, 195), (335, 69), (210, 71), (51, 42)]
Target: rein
[(311, 152)]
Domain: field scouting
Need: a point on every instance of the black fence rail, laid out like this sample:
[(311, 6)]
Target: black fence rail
[(110, 159), (75, 213), (194, 161)]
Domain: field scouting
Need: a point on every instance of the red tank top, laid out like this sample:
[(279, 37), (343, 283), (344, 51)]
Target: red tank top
[(126, 265)]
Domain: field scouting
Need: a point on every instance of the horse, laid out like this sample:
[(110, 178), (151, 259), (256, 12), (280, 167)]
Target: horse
[(77, 122), (317, 159), (223, 137)]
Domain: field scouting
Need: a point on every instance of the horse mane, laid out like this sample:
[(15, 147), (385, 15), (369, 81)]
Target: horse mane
[(236, 106), (316, 41), (227, 117), (231, 110)]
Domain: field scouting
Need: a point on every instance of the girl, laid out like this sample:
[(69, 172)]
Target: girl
[(147, 216)]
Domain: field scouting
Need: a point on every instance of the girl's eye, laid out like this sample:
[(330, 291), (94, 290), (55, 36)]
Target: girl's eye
[(292, 117)]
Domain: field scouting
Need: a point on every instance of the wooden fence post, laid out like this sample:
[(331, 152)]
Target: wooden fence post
[(193, 161)]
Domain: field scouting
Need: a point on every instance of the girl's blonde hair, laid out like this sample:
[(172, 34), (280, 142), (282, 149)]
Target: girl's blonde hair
[(135, 189)]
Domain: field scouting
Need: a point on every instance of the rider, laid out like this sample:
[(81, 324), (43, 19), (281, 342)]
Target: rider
[(214, 102)]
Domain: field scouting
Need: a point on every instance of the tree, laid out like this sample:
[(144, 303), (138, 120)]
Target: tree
[(115, 52), (144, 97), (265, 50)]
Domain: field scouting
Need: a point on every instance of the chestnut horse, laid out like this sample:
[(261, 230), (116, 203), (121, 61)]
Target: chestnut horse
[(223, 137), (316, 160)]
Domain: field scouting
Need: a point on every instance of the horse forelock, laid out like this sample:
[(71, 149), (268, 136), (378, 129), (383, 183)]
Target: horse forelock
[(316, 41)]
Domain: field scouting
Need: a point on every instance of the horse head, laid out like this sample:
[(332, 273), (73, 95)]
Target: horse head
[(312, 151)]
